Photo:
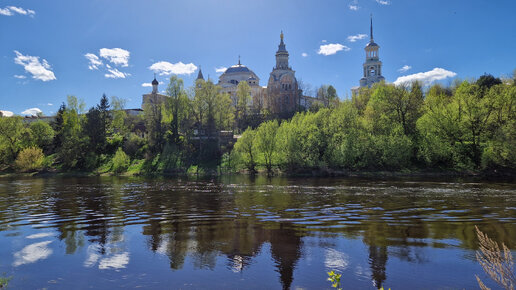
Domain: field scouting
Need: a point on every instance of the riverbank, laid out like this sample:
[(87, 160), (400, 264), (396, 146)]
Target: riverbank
[(509, 174)]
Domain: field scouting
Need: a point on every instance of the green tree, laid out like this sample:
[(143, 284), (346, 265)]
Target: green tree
[(266, 142), (177, 106), (73, 151), (29, 159), (42, 134), (245, 147), (120, 161), (243, 99), (11, 137)]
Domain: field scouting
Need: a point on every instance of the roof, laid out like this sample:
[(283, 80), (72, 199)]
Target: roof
[(237, 68), (155, 82), (371, 43)]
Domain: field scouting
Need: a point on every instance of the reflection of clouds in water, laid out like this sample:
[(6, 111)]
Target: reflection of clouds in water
[(32, 253), (40, 235), (92, 256), (117, 261), (360, 272), (113, 261), (335, 260)]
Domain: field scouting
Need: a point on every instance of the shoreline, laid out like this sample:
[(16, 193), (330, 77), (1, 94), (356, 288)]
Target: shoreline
[(509, 174)]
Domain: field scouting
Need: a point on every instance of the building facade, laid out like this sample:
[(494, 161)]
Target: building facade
[(235, 74), (283, 92), (154, 98)]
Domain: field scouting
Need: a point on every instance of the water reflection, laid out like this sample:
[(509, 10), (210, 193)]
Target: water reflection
[(194, 223)]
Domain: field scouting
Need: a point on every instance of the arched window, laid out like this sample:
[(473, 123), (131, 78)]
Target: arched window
[(372, 71)]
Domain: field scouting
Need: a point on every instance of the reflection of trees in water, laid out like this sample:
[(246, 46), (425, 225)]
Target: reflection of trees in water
[(206, 219)]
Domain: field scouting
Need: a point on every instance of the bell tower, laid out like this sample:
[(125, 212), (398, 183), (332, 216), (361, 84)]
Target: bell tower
[(372, 67)]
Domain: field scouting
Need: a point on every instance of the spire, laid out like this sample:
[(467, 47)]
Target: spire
[(371, 27), (199, 75), (281, 46), (239, 59)]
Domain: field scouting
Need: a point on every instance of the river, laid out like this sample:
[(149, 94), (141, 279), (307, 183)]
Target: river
[(249, 233)]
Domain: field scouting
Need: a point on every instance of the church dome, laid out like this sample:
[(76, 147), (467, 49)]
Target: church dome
[(237, 73), (237, 69), (371, 44), (155, 82)]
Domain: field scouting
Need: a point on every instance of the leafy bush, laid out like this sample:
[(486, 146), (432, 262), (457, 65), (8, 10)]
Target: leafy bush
[(120, 161), (29, 159)]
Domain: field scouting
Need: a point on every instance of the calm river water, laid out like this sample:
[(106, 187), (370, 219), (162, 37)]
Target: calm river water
[(243, 233)]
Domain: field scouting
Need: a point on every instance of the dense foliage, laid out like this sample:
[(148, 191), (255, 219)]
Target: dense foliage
[(468, 126)]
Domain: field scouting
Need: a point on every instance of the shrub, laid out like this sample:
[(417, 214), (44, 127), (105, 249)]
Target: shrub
[(120, 161), (29, 159)]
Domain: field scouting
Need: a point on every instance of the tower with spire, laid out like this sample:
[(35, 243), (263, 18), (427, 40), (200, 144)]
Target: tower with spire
[(372, 68), (282, 89)]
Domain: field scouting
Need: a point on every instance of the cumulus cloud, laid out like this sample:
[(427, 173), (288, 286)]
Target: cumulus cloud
[(11, 10), (20, 77), (167, 68), (405, 68), (354, 38), (7, 113), (304, 54), (116, 56), (40, 70), (426, 77), (94, 61), (332, 48), (116, 74), (31, 112), (221, 69), (146, 85), (32, 253), (383, 2)]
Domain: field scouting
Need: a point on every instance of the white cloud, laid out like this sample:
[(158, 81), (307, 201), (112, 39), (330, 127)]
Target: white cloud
[(50, 104), (116, 56), (221, 69), (94, 61), (167, 68), (31, 112), (31, 64), (405, 68), (304, 54), (354, 38), (332, 48), (32, 253), (354, 5), (7, 113), (426, 77), (383, 2), (10, 10), (116, 74), (324, 41), (20, 76), (146, 85)]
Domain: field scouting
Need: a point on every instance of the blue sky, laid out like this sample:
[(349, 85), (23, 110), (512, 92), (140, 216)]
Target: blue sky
[(46, 46)]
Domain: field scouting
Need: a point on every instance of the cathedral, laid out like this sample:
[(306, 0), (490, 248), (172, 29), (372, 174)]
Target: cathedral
[(282, 96)]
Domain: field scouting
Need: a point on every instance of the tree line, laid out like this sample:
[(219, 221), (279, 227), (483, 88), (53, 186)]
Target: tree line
[(470, 125)]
